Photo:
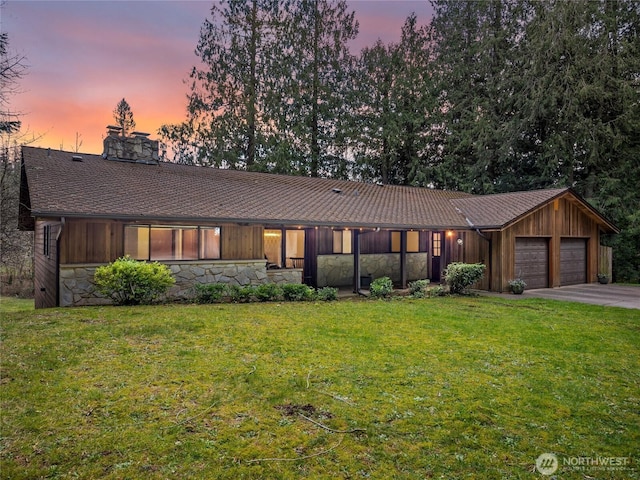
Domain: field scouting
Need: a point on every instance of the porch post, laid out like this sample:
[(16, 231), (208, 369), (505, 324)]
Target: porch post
[(356, 260), (403, 259)]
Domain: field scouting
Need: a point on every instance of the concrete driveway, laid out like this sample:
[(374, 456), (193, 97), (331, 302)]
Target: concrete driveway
[(610, 295)]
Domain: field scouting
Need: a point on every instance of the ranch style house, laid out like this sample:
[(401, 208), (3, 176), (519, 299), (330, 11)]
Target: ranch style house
[(215, 225)]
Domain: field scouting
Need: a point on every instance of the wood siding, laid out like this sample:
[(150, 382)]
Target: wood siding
[(102, 241), (561, 218), (242, 242), (91, 241), (45, 261)]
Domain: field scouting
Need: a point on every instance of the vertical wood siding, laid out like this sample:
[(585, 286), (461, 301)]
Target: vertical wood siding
[(46, 266), (561, 218)]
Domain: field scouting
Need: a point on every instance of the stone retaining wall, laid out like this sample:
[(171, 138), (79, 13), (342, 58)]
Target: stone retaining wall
[(77, 287)]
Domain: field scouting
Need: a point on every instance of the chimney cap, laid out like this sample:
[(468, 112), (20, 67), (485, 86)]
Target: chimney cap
[(140, 134)]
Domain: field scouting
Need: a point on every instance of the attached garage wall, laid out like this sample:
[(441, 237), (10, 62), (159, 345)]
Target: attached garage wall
[(573, 261), (532, 261), (559, 220)]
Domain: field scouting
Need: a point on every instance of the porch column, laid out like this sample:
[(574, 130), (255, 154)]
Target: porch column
[(356, 260)]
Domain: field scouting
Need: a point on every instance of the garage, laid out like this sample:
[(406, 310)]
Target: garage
[(532, 261), (573, 261)]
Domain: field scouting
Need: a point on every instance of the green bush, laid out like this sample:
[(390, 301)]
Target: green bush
[(297, 292), (131, 282), (238, 294), (418, 288), (327, 294), (381, 287), (209, 292), (460, 276), (268, 292), (437, 291)]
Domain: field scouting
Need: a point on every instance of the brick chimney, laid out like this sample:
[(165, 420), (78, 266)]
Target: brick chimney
[(137, 148)]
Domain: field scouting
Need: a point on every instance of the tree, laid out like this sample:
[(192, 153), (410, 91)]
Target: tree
[(15, 246), (392, 122), (474, 44), (229, 106), (317, 92), (542, 94), (123, 116)]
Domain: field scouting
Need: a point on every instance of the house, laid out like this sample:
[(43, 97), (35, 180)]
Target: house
[(214, 225)]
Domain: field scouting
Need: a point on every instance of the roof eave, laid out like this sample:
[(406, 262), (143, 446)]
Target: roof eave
[(248, 221)]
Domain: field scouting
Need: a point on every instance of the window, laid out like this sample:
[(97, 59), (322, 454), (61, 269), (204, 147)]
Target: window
[(437, 243), (289, 242), (273, 247), (145, 242), (46, 240), (294, 247), (413, 242), (395, 242), (342, 241)]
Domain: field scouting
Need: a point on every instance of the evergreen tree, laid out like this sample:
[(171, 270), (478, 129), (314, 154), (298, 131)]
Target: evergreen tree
[(392, 123), (123, 116), (317, 91), (228, 114)]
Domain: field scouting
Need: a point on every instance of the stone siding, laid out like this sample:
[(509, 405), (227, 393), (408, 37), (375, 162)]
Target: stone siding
[(337, 270), (77, 287)]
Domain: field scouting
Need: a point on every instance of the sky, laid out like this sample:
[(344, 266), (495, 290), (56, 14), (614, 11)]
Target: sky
[(83, 57)]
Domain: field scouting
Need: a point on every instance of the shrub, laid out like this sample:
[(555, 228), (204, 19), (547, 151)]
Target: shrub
[(437, 291), (210, 292), (268, 292), (297, 292), (327, 294), (238, 294), (460, 276), (517, 286), (418, 288), (381, 287), (130, 282)]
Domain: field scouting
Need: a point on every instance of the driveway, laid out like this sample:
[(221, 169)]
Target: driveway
[(610, 295)]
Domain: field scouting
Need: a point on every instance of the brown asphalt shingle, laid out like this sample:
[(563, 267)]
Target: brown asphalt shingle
[(496, 211), (97, 187)]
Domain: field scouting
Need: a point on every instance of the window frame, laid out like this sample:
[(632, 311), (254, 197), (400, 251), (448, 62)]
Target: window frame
[(338, 245), (199, 247)]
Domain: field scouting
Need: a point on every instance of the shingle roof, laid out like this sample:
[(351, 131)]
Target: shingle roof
[(97, 187), (498, 210)]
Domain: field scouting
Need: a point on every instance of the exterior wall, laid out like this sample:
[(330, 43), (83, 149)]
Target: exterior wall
[(474, 249), (77, 287), (337, 270), (562, 218), (102, 241), (45, 260)]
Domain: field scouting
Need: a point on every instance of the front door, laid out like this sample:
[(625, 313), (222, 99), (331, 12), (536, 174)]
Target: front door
[(436, 254)]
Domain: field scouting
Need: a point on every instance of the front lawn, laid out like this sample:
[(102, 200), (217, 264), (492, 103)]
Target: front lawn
[(435, 388)]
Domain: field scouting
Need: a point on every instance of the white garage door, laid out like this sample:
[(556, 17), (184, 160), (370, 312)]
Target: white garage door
[(573, 261), (532, 261)]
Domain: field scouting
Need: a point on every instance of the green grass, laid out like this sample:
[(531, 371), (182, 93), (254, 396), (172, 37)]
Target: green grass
[(435, 388)]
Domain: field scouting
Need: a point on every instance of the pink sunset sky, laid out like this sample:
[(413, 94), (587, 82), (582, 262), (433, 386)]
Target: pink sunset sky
[(83, 57)]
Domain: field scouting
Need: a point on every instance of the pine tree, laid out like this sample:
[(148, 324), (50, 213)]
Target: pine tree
[(123, 116)]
